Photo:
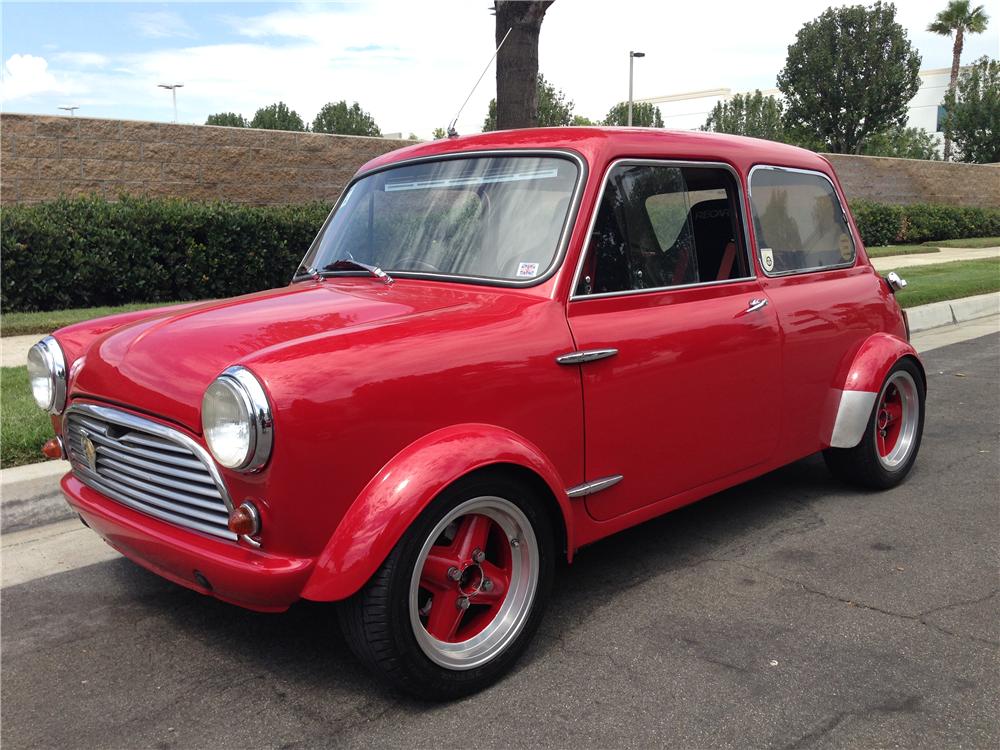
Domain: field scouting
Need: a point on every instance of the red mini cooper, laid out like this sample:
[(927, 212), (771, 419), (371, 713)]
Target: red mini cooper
[(499, 349)]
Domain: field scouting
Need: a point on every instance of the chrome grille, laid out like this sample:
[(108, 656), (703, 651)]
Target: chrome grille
[(148, 467)]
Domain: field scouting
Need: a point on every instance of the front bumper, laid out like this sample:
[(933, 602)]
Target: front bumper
[(246, 577)]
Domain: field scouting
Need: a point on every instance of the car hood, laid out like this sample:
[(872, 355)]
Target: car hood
[(163, 364)]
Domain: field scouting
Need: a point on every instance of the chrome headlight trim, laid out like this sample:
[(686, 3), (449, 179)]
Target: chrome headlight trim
[(248, 389), (50, 351)]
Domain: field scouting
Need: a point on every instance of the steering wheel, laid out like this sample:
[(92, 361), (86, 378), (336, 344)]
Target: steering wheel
[(413, 263)]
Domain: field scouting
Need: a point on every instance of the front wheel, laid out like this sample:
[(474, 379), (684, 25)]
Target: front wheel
[(461, 594), (889, 447)]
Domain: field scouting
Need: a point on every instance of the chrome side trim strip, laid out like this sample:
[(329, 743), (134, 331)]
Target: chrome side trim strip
[(589, 488), (853, 414), (589, 355)]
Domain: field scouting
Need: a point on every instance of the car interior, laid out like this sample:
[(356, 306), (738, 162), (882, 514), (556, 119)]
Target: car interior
[(662, 226)]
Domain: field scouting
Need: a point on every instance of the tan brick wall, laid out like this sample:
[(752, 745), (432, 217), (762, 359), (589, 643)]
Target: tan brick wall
[(43, 157), (917, 181)]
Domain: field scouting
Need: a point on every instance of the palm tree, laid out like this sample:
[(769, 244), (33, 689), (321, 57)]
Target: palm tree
[(959, 18)]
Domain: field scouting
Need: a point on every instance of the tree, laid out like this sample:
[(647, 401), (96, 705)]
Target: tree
[(973, 112), (644, 115), (850, 73), (903, 143), (581, 121), (517, 61), (439, 133), (343, 120), (553, 108), (277, 117), (959, 18), (228, 119), (753, 114)]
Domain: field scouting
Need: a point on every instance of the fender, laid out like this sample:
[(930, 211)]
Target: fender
[(859, 383), (390, 502)]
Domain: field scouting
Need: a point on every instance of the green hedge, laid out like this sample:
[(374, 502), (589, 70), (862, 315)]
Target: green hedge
[(85, 252), (885, 224)]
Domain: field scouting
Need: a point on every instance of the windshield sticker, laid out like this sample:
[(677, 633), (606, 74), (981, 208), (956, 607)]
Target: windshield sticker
[(392, 186), (767, 258), (527, 270)]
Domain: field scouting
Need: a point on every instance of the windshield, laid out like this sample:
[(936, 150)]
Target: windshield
[(496, 217)]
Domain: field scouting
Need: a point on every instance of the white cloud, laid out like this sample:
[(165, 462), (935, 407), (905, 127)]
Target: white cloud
[(83, 59), (25, 76), (161, 25), (412, 64)]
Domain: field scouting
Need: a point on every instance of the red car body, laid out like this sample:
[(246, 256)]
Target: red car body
[(385, 395)]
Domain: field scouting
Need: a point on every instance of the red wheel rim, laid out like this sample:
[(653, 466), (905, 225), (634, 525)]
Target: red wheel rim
[(889, 420), (465, 579)]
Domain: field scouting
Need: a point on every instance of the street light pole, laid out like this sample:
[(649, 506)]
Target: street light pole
[(631, 60), (71, 110), (173, 90)]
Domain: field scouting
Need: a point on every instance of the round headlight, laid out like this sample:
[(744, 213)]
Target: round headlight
[(236, 419), (47, 375)]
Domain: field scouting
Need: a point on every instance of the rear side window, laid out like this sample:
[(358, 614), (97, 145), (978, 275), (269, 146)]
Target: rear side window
[(799, 222), (661, 226)]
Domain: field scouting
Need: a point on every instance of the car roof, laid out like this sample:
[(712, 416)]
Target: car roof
[(600, 145)]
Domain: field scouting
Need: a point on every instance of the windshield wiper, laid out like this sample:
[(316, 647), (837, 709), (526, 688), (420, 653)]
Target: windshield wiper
[(349, 264), (309, 271)]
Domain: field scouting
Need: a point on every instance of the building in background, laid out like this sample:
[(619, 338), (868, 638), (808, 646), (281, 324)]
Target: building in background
[(688, 111)]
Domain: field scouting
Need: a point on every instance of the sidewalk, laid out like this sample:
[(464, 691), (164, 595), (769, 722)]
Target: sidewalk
[(15, 348), (947, 255)]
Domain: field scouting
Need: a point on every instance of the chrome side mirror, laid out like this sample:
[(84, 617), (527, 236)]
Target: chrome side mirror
[(894, 281)]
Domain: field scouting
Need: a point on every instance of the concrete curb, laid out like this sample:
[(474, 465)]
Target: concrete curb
[(951, 312), (30, 496)]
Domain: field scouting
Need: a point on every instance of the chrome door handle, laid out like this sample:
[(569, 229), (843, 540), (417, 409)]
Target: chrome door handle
[(755, 305)]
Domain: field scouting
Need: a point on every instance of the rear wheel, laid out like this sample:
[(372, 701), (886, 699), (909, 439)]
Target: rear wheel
[(889, 447), (460, 596)]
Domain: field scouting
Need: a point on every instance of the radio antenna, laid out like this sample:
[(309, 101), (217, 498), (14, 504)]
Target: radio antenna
[(452, 133)]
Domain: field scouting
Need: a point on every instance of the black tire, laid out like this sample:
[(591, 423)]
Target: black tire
[(376, 621), (862, 464)]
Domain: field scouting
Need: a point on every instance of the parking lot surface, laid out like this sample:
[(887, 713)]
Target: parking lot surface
[(790, 612)]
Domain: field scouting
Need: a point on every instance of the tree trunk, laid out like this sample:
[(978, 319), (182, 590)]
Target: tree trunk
[(517, 62), (956, 60)]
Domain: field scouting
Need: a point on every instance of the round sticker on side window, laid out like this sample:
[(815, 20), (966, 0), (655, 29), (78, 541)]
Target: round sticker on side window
[(527, 270), (767, 259), (844, 245)]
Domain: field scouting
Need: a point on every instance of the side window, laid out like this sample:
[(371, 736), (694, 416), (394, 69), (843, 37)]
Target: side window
[(662, 226), (799, 223)]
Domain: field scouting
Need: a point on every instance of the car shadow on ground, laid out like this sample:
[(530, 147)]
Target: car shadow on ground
[(304, 646)]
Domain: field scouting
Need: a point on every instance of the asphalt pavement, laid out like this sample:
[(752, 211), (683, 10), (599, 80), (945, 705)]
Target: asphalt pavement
[(790, 612)]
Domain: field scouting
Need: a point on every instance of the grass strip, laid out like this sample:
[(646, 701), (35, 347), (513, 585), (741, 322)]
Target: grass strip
[(943, 281), (23, 323), (23, 426)]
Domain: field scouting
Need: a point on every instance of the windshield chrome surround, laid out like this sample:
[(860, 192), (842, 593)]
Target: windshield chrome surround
[(574, 297), (855, 241), (564, 235)]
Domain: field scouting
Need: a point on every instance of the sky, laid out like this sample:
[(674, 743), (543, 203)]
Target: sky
[(410, 63)]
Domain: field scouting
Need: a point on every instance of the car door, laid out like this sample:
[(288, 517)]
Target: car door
[(827, 305), (677, 344)]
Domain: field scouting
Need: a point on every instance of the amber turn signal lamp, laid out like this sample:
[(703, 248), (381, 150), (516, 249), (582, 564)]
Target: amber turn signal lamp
[(53, 448), (244, 520)]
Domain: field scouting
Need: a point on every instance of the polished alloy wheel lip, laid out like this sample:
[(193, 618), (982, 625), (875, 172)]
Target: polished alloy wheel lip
[(896, 457), (509, 621)]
